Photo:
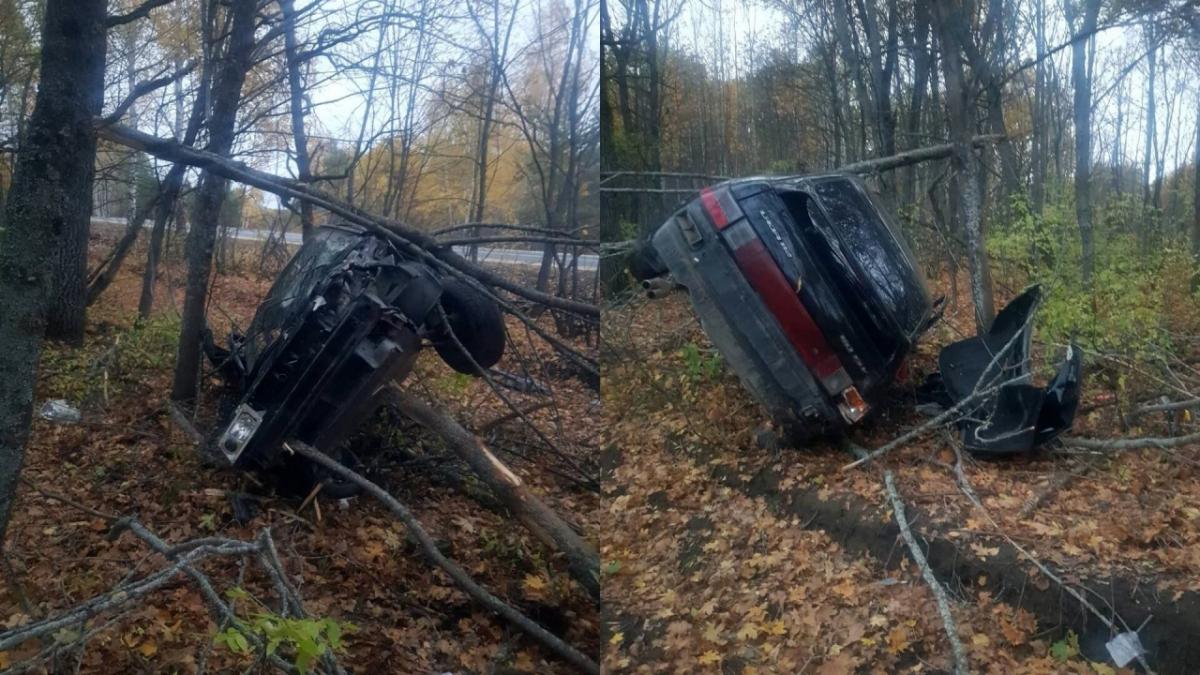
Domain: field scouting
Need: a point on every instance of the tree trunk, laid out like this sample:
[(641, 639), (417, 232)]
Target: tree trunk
[(921, 59), (172, 185), (1196, 206), (1038, 187), (50, 197), (296, 101), (226, 95), (952, 30), (1083, 133)]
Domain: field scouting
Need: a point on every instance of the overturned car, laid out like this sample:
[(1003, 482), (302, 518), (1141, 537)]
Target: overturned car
[(347, 315), (807, 288)]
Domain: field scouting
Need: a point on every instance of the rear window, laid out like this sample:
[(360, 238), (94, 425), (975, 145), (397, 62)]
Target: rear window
[(872, 241)]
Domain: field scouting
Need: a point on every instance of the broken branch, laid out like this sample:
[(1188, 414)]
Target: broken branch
[(583, 561), (451, 568), (414, 242), (961, 665)]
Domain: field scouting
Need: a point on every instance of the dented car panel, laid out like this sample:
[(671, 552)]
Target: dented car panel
[(343, 318), (805, 286), (989, 376)]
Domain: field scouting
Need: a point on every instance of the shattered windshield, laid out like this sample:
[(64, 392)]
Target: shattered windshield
[(295, 284)]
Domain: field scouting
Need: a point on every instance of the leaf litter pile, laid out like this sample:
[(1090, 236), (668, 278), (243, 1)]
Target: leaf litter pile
[(721, 556), (363, 580)]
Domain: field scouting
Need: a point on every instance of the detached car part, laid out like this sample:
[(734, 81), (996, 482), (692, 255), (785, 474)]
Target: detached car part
[(1003, 412), (805, 286), (347, 315)]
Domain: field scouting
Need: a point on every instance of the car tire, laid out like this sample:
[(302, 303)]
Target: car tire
[(643, 261), (477, 323)]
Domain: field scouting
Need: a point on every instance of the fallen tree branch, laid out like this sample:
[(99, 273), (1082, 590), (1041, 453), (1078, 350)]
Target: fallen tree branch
[(588, 244), (1165, 407), (509, 416), (1131, 443), (412, 241), (583, 561), (961, 665), (934, 423), (910, 157), (119, 596), (451, 568), (964, 485)]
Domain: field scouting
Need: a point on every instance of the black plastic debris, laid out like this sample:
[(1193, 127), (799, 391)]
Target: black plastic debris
[(1003, 412)]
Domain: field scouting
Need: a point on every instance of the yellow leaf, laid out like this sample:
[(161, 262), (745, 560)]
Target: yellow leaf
[(775, 628), (534, 582), (616, 638), (981, 640), (148, 648), (747, 632), (709, 657), (897, 639)]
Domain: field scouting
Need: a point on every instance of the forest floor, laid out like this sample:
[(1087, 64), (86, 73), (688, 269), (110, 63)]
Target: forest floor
[(725, 557), (351, 560)]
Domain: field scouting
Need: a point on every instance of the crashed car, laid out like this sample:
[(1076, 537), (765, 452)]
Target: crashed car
[(347, 315), (807, 288)]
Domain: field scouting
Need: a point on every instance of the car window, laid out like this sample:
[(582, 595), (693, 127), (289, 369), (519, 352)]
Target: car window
[(295, 284), (877, 248)]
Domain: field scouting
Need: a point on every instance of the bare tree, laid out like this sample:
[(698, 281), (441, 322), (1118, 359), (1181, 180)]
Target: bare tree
[(296, 106), (951, 21), (231, 71), (1081, 77)]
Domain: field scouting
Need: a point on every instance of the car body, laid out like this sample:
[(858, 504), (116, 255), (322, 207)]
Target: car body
[(807, 288), (347, 315)]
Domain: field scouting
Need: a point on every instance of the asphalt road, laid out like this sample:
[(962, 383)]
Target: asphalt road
[(487, 255)]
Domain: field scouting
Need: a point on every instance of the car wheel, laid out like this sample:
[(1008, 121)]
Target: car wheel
[(477, 323), (643, 261)]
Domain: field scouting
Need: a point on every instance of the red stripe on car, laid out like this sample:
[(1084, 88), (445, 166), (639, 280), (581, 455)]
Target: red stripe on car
[(781, 299), (713, 207)]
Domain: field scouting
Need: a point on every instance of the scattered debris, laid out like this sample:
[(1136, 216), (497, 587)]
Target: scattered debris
[(61, 412)]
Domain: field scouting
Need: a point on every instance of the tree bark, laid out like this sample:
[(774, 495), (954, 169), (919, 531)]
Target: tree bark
[(226, 96), (50, 199), (1083, 132)]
